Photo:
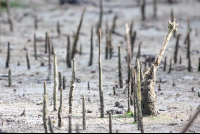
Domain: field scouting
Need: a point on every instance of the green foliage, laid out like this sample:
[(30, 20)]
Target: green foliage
[(13, 4), (130, 113), (134, 123), (3, 3), (124, 116), (154, 118), (161, 118)]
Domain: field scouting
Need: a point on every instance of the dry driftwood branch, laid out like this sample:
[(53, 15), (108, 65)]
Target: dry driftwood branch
[(191, 120), (149, 78)]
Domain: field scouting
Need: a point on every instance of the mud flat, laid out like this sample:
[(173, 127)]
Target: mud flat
[(176, 102)]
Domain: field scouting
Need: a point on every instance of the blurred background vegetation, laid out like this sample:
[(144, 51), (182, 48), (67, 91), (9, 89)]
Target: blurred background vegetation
[(13, 4)]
